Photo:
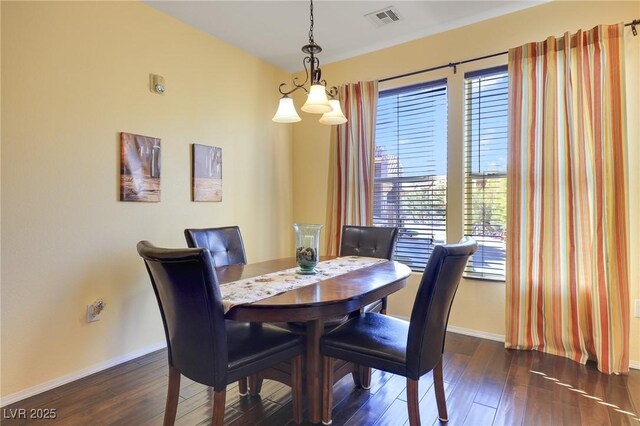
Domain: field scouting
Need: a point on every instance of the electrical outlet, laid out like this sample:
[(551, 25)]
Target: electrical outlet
[(637, 310), (91, 315)]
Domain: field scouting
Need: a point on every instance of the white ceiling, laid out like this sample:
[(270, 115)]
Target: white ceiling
[(276, 30)]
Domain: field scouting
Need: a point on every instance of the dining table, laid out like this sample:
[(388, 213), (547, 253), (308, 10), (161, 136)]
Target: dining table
[(313, 305)]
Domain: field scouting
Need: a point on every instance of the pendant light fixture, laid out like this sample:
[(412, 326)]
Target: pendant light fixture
[(317, 101)]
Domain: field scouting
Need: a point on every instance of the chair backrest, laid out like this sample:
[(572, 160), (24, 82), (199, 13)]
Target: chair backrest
[(370, 241), (190, 303), (224, 244), (433, 302)]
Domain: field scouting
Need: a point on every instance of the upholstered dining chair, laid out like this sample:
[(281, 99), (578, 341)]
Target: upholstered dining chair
[(226, 248), (225, 244), (370, 241), (410, 349), (201, 344)]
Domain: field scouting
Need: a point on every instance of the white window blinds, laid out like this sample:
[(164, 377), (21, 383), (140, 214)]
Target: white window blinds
[(410, 180), (485, 198)]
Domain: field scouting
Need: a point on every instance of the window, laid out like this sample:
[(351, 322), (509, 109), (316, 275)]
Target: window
[(485, 200), (410, 178)]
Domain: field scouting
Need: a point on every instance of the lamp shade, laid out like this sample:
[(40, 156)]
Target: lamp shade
[(317, 101), (286, 111), (335, 116)]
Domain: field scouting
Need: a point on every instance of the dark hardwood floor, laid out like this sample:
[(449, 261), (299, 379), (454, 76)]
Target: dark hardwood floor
[(485, 384)]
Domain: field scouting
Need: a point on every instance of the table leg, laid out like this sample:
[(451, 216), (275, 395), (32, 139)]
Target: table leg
[(314, 370)]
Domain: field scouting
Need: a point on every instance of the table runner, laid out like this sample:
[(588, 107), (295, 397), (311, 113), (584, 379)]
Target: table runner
[(263, 286)]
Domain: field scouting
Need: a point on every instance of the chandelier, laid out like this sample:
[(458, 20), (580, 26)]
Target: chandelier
[(317, 100)]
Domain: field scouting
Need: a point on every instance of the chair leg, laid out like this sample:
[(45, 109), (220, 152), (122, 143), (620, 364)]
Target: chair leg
[(438, 384), (255, 385), (296, 388), (242, 387), (412, 402), (357, 375), (219, 401), (173, 393), (327, 390), (365, 377)]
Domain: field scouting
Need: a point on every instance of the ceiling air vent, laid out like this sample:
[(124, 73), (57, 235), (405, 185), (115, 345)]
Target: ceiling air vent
[(385, 16)]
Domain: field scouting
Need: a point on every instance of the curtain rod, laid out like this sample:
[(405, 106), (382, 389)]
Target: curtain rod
[(455, 65)]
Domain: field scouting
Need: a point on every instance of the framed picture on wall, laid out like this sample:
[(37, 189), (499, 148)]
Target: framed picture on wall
[(139, 168), (206, 183)]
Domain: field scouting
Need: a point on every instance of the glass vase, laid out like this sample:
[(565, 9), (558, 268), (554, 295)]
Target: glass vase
[(307, 247)]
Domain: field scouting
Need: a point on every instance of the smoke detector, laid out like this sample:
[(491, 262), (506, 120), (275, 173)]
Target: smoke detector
[(385, 16)]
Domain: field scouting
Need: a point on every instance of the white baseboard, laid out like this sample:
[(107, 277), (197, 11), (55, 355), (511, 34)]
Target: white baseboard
[(476, 333), (468, 331), (43, 387), (499, 338)]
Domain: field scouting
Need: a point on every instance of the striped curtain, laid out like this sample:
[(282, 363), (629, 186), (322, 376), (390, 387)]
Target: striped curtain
[(351, 164), (567, 273)]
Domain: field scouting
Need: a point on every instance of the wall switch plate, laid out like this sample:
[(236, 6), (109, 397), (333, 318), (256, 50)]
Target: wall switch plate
[(91, 315), (637, 310)]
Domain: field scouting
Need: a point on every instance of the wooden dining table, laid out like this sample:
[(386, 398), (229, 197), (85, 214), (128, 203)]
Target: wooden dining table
[(314, 304)]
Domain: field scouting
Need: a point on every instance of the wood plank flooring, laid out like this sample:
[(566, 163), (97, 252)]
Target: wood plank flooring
[(484, 384)]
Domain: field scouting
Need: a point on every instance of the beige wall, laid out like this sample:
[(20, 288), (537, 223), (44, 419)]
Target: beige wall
[(479, 305), (75, 75)]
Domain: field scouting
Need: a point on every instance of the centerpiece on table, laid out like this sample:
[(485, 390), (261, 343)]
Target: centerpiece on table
[(307, 247)]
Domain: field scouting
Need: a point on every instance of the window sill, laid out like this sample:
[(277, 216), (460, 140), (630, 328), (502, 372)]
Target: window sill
[(477, 278)]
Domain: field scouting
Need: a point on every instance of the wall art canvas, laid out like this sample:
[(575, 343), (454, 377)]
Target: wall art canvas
[(207, 173), (139, 168)]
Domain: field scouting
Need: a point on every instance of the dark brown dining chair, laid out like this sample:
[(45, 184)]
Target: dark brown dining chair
[(201, 344), (225, 244), (226, 248), (369, 241), (410, 349)]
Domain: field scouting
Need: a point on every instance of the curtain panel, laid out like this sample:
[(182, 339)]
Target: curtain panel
[(351, 163), (567, 274)]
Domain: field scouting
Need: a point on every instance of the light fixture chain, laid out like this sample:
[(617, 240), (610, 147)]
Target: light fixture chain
[(311, 26)]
